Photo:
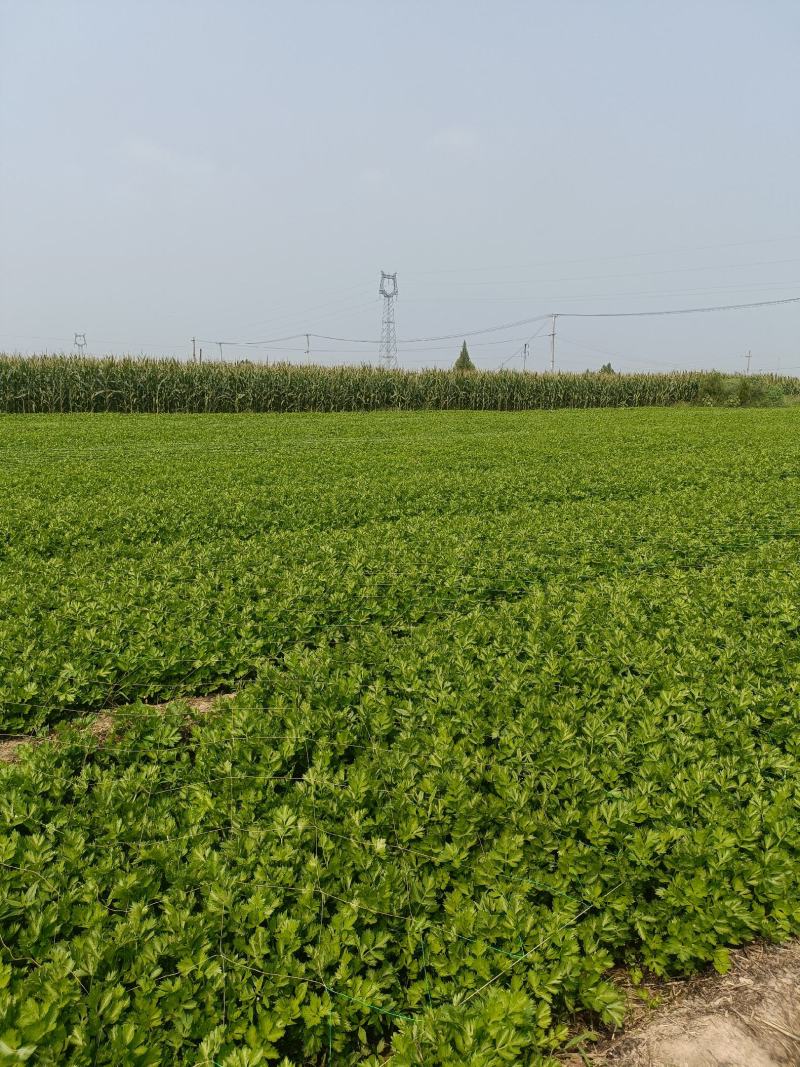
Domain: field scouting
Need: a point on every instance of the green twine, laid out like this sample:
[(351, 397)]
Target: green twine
[(549, 889), (511, 955), (369, 1004), (425, 969)]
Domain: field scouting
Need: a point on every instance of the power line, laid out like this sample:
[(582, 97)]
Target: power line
[(500, 327), (553, 345), (300, 348), (617, 354), (338, 313), (294, 316), (758, 287), (674, 311), (441, 337), (618, 256), (522, 322), (523, 351), (376, 341), (633, 274)]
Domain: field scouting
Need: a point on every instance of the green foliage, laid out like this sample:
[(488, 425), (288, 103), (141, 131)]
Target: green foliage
[(463, 363), (69, 384), (607, 369), (499, 734), (764, 390)]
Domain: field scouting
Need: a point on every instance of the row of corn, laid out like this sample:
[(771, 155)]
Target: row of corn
[(67, 384)]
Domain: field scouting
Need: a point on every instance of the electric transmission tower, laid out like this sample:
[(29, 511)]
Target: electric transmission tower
[(80, 342), (387, 353)]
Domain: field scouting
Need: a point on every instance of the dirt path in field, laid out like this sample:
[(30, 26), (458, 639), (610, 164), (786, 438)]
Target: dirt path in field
[(100, 725), (749, 1017)]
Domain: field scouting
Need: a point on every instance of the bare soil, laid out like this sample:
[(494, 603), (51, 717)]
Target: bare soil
[(99, 726), (749, 1017)]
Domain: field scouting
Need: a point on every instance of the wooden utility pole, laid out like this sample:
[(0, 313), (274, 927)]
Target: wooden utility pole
[(553, 346)]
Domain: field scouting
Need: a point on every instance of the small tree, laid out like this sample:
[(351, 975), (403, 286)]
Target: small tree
[(464, 362), (607, 369)]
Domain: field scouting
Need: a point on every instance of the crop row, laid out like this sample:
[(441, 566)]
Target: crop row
[(437, 844), (68, 384), (128, 569), (518, 703)]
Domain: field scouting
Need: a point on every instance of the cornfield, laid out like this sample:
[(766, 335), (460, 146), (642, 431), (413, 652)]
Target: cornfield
[(68, 384)]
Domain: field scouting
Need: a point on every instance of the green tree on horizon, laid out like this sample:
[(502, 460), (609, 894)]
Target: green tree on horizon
[(464, 362)]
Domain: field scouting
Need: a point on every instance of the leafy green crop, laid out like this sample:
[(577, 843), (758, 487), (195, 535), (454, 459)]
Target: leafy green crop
[(519, 702)]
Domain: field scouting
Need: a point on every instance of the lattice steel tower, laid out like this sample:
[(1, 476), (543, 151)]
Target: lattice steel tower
[(387, 353), (80, 342)]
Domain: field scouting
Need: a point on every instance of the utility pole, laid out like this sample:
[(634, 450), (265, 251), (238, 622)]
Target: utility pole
[(387, 352), (201, 354), (748, 361), (308, 349), (194, 350), (524, 357), (220, 351), (553, 346)]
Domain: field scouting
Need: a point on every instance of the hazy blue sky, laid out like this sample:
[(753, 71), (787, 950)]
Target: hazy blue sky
[(243, 170)]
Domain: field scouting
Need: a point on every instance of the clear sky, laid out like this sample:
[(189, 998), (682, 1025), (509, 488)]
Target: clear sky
[(243, 170)]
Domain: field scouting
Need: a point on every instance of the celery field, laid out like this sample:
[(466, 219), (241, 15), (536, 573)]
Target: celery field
[(516, 702)]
